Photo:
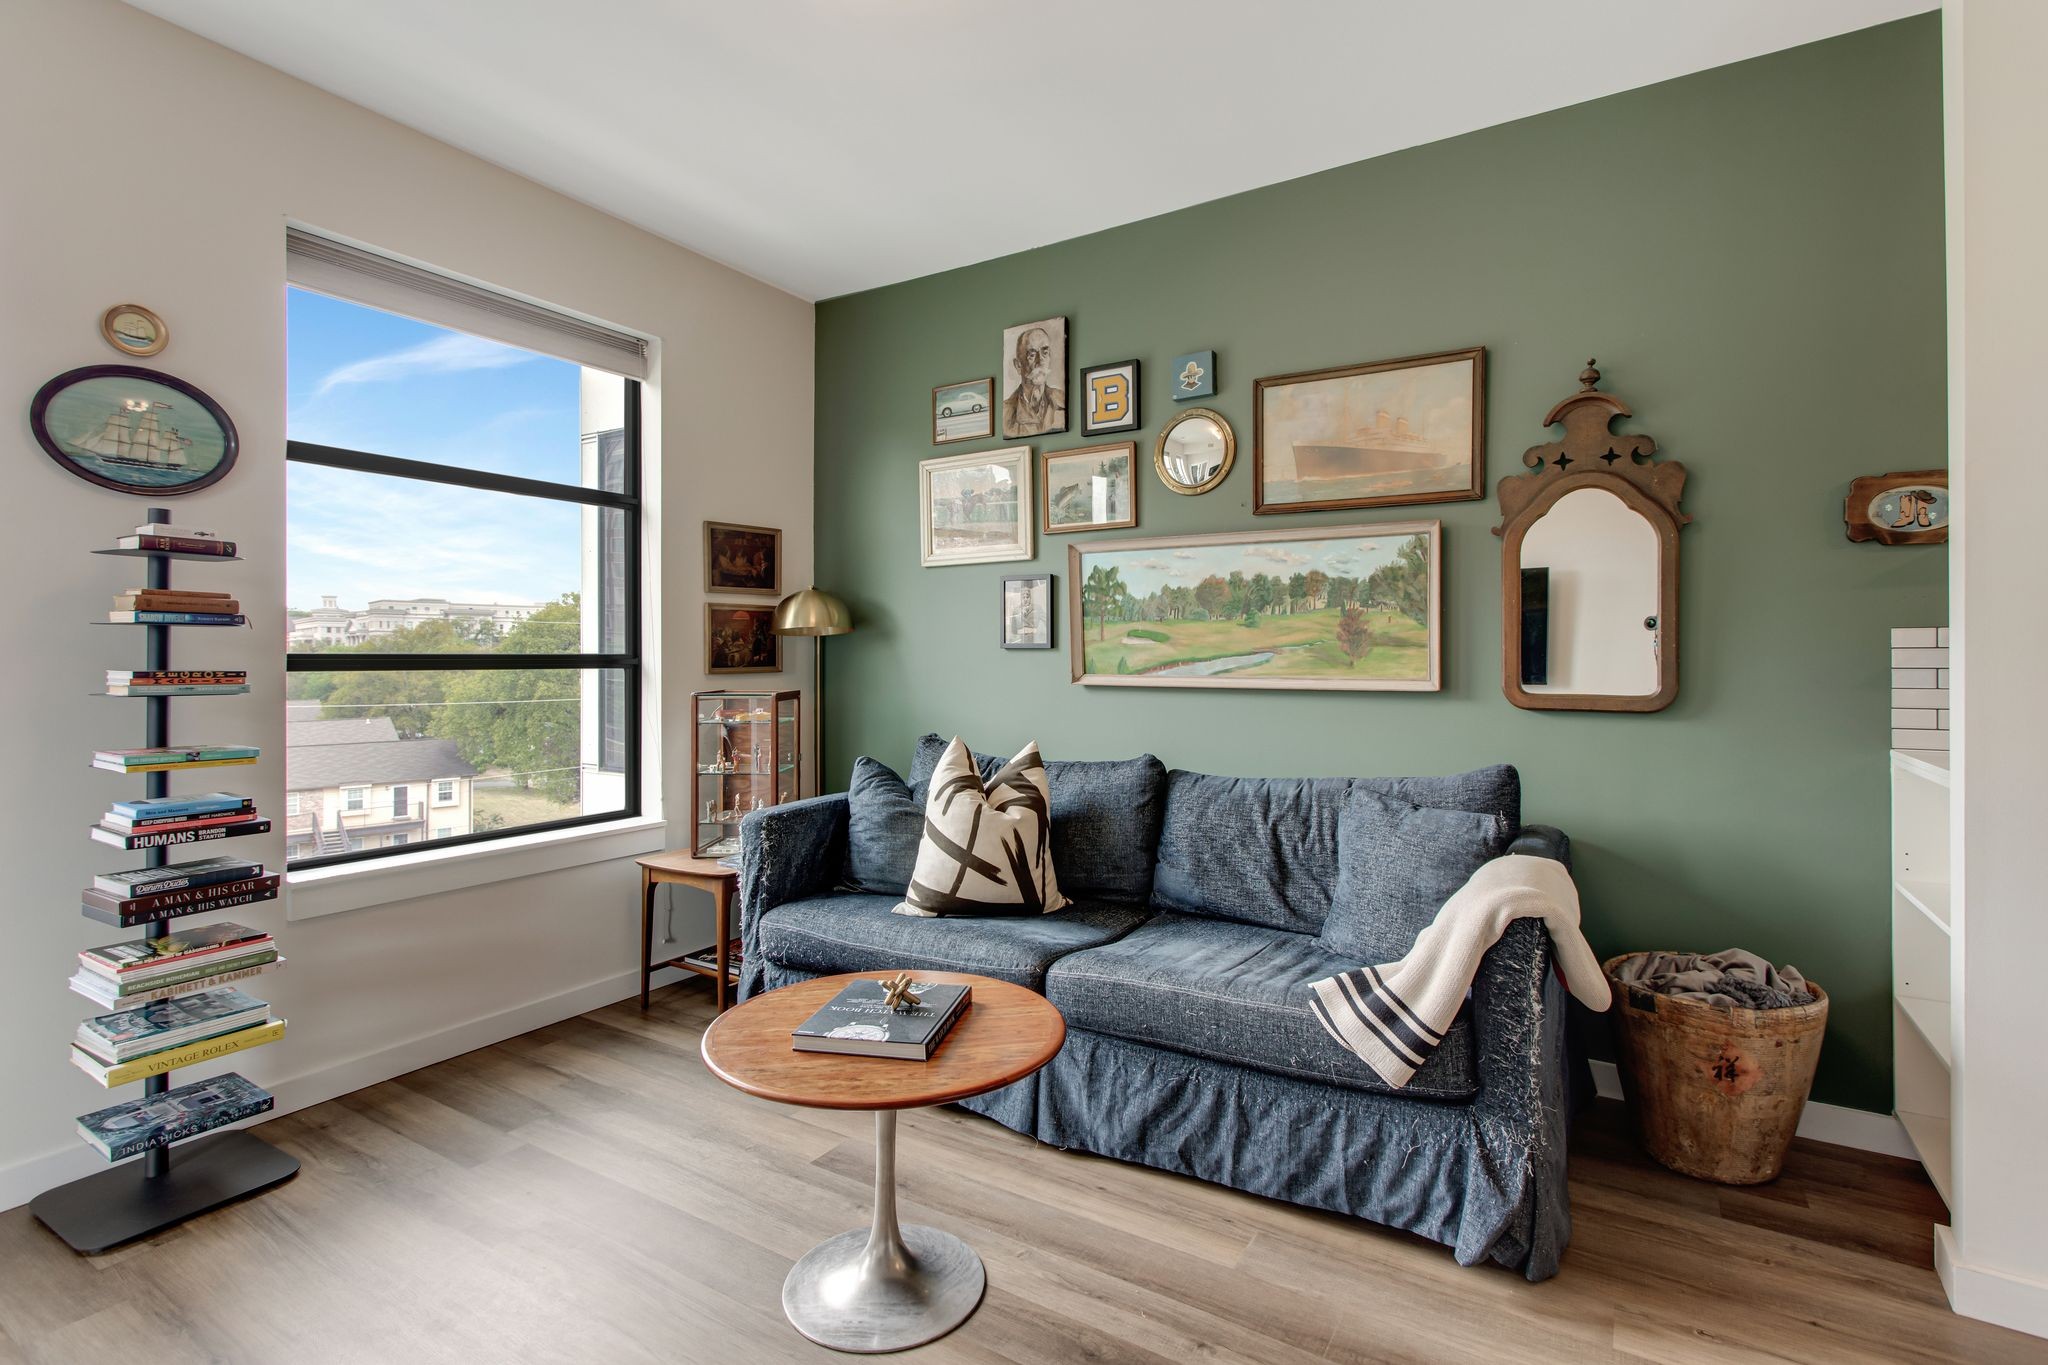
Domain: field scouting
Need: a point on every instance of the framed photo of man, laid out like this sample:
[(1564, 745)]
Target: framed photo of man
[(1034, 378), (742, 559)]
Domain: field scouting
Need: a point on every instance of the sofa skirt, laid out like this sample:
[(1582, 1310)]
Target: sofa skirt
[(1440, 1170)]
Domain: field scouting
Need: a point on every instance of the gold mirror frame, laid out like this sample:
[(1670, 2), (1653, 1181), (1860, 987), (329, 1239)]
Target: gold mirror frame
[(1229, 451), (1591, 456)]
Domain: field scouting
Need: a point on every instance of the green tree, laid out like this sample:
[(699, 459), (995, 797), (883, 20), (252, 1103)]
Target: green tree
[(1239, 592), (1317, 582), (1212, 595), (1100, 593), (1354, 636), (525, 720), (1403, 585), (1297, 593), (1344, 591), (1260, 594)]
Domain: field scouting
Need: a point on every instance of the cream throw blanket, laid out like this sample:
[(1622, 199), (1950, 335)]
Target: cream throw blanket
[(1396, 1015)]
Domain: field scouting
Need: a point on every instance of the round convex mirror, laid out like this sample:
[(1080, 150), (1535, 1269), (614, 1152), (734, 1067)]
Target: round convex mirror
[(1195, 451)]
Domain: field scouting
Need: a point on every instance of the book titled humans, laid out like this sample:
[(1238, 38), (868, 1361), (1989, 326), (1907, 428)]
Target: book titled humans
[(122, 1130), (859, 1021)]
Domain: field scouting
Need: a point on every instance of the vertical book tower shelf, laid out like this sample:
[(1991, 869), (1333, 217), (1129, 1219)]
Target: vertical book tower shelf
[(153, 1192)]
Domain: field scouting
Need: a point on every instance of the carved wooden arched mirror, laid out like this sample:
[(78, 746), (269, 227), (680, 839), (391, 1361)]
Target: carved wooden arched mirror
[(1589, 565)]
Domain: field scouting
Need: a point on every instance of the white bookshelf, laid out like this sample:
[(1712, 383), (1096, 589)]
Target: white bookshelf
[(1925, 989)]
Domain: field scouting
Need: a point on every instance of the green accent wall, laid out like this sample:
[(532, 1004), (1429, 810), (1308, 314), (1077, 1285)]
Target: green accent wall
[(1754, 254)]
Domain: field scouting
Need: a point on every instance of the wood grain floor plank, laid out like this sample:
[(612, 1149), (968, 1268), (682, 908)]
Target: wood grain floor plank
[(588, 1193)]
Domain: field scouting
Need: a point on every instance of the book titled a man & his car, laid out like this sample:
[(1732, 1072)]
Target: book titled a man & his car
[(861, 1022)]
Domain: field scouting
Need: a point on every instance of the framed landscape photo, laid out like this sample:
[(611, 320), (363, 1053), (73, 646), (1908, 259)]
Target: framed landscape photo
[(739, 638), (1381, 435), (975, 509), (1027, 611), (965, 411), (1325, 608), (742, 559), (1034, 378), (1109, 398), (1094, 488)]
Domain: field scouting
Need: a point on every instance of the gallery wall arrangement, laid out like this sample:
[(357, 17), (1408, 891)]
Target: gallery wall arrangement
[(1422, 285)]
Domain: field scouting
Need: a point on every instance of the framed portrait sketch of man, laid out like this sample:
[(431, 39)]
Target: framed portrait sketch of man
[(1034, 378), (742, 559)]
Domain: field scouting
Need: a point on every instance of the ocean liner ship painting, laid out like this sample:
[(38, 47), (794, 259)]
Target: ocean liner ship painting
[(133, 430), (1401, 431)]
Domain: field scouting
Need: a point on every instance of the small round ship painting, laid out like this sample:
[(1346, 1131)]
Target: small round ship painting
[(133, 430)]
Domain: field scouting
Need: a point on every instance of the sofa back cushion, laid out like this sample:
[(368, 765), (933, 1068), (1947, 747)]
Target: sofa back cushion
[(1264, 850), (883, 825), (1105, 819), (1397, 864)]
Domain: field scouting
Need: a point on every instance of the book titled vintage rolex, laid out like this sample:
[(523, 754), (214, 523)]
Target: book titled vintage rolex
[(122, 1130), (161, 1024), (178, 1058), (860, 1021)]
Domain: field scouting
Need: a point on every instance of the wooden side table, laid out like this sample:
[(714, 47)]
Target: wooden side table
[(888, 1286), (706, 874)]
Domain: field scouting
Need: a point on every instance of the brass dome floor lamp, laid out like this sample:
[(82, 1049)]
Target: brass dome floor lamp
[(818, 614)]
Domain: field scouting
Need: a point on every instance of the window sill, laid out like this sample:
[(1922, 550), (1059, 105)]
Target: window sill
[(433, 871)]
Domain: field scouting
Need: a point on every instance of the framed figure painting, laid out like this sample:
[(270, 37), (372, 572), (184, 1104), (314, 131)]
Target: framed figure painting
[(742, 559), (1027, 611), (975, 509), (1380, 435), (739, 638)]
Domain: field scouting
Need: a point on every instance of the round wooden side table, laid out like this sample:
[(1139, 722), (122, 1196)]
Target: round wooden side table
[(885, 1287)]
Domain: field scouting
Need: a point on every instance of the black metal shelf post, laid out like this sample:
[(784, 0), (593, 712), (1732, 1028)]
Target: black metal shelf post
[(111, 1207)]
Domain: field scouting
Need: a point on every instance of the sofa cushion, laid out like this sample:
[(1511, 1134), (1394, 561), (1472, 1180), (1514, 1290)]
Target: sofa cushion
[(1237, 993), (845, 932), (1105, 818), (1264, 849), (1398, 864), (883, 825), (986, 850)]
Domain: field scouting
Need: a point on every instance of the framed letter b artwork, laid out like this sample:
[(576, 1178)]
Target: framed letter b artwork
[(1109, 398)]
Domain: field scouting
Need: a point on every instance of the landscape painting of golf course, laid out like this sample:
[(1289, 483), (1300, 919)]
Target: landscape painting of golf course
[(1341, 608)]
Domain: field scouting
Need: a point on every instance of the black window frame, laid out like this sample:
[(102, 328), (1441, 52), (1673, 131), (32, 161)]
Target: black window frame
[(627, 503)]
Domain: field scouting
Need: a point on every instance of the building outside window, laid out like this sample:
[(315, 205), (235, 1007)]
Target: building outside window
[(463, 538)]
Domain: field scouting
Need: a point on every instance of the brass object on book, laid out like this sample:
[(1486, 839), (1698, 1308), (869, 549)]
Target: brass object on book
[(897, 995)]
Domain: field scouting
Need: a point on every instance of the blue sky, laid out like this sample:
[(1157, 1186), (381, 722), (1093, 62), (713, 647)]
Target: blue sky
[(367, 380)]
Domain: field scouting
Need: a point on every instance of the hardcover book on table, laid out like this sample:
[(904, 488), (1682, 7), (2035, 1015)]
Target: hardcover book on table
[(859, 1021), (122, 1130)]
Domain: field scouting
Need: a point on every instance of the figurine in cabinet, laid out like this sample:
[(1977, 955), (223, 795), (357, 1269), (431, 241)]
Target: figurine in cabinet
[(746, 754)]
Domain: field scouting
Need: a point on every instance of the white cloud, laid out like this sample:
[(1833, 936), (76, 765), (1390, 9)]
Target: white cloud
[(443, 355), (1184, 554), (1274, 554)]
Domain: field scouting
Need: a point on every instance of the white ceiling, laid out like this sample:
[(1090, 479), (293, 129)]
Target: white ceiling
[(833, 145)]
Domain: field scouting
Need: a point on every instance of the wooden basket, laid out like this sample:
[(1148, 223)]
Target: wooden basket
[(1716, 1092)]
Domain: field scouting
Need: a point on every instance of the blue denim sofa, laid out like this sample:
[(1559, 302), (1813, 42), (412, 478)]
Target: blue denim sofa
[(1182, 969)]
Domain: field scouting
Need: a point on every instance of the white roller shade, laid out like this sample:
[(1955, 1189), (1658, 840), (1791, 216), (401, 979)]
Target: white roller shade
[(330, 267)]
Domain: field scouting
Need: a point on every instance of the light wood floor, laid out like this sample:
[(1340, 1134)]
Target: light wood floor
[(589, 1193)]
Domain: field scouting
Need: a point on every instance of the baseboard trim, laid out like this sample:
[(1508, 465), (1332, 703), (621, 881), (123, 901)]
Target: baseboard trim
[(29, 1177), (1989, 1295), (1844, 1127)]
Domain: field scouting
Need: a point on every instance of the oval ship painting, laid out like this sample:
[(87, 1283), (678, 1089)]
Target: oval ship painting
[(1369, 435), (133, 430)]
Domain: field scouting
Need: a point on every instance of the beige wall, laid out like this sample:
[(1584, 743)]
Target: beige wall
[(182, 206)]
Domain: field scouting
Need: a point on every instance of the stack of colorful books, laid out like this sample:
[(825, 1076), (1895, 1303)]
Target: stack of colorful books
[(176, 607), (183, 682), (173, 756), (126, 899), (164, 537), (164, 1035), (164, 821), (123, 1130), (140, 970)]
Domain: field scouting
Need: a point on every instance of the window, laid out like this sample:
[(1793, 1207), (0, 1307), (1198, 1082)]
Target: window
[(291, 803), (463, 544)]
